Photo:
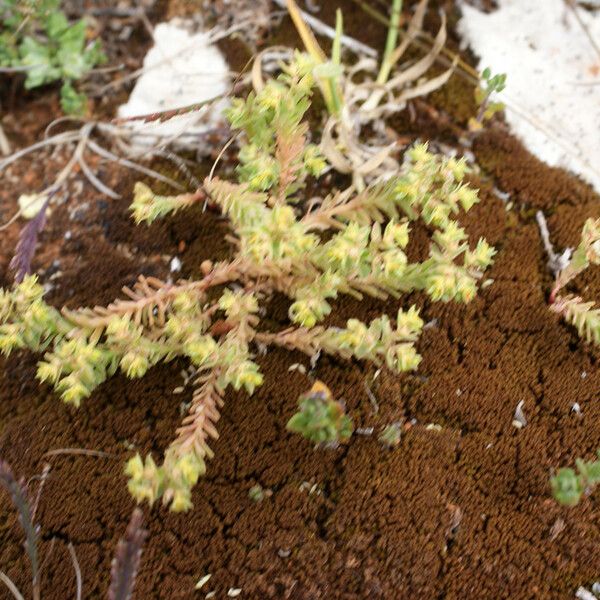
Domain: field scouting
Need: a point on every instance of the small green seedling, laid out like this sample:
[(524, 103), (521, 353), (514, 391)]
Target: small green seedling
[(321, 419), (391, 435), (568, 486), (257, 493), (488, 86), (37, 39)]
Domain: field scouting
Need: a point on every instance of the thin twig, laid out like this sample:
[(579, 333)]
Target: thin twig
[(181, 165), (79, 451), (586, 30), (43, 478), (56, 140), (223, 150), (12, 588), (372, 398), (79, 584), (5, 148), (94, 147), (47, 554), (102, 188), (556, 262)]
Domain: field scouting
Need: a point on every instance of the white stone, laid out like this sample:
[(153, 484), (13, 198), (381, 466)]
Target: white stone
[(180, 69), (175, 264), (553, 76)]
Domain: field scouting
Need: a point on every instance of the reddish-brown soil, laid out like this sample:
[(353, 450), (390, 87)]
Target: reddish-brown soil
[(458, 511)]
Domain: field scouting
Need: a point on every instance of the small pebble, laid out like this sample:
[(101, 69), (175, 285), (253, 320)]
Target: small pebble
[(175, 264)]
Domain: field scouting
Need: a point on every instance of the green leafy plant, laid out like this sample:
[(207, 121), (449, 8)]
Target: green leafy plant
[(349, 243), (391, 435), (568, 485), (582, 315), (321, 418), (484, 92), (37, 38)]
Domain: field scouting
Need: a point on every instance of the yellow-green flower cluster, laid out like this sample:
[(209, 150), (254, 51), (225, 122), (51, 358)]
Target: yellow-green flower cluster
[(76, 367), (582, 315), (237, 369), (173, 480), (275, 112), (379, 341), (279, 236), (432, 187), (26, 321), (132, 348), (148, 206), (311, 302)]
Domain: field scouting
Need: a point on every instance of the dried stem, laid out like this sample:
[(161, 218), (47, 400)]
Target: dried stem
[(150, 299), (78, 580), (127, 558), (12, 588), (199, 425), (19, 496)]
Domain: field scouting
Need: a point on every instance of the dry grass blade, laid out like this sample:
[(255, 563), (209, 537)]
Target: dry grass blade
[(308, 38), (369, 99), (126, 562), (414, 27), (427, 87), (25, 250), (18, 493), (422, 66)]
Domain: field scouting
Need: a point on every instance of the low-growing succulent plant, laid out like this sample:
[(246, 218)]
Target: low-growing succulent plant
[(321, 418), (349, 243), (37, 39), (582, 315), (568, 485)]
